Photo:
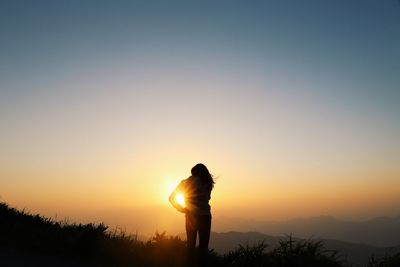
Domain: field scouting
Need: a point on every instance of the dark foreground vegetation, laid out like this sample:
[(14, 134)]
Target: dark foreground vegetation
[(34, 240)]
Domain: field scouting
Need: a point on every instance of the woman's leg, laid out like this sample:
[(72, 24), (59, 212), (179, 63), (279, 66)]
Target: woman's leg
[(191, 231), (204, 224)]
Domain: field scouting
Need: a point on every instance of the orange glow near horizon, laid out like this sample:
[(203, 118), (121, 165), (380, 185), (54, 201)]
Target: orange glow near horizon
[(106, 165)]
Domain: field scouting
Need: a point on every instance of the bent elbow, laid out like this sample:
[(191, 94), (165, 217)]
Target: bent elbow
[(171, 198)]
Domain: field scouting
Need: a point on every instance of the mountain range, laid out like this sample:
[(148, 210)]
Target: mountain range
[(378, 232)]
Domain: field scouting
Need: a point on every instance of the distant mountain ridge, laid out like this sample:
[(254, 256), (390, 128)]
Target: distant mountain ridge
[(381, 231)]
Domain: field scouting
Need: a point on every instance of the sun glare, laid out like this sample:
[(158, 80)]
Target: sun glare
[(169, 186), (180, 199)]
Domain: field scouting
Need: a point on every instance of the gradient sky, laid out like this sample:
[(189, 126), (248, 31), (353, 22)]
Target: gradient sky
[(293, 105)]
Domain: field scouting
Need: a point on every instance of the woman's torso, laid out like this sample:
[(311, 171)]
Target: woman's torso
[(197, 196)]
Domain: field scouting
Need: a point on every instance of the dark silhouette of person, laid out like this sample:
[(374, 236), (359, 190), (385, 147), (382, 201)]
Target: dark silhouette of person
[(197, 193)]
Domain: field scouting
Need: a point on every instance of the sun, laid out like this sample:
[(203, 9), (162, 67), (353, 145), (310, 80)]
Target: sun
[(169, 186), (180, 199)]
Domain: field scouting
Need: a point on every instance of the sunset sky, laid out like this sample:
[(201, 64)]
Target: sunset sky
[(293, 105)]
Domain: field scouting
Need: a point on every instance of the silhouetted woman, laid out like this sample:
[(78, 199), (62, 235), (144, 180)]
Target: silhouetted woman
[(197, 192)]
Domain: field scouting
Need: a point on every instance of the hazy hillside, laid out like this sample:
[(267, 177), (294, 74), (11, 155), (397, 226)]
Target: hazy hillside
[(382, 231)]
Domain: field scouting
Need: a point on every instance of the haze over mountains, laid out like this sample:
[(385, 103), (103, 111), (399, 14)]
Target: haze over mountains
[(383, 231)]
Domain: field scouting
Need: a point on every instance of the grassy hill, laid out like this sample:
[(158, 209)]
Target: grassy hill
[(33, 240)]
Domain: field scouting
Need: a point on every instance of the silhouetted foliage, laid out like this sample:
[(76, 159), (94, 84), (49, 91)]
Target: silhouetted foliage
[(292, 252), (95, 245), (247, 256), (386, 261)]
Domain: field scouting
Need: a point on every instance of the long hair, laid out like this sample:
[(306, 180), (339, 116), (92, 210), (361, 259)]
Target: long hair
[(201, 171)]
